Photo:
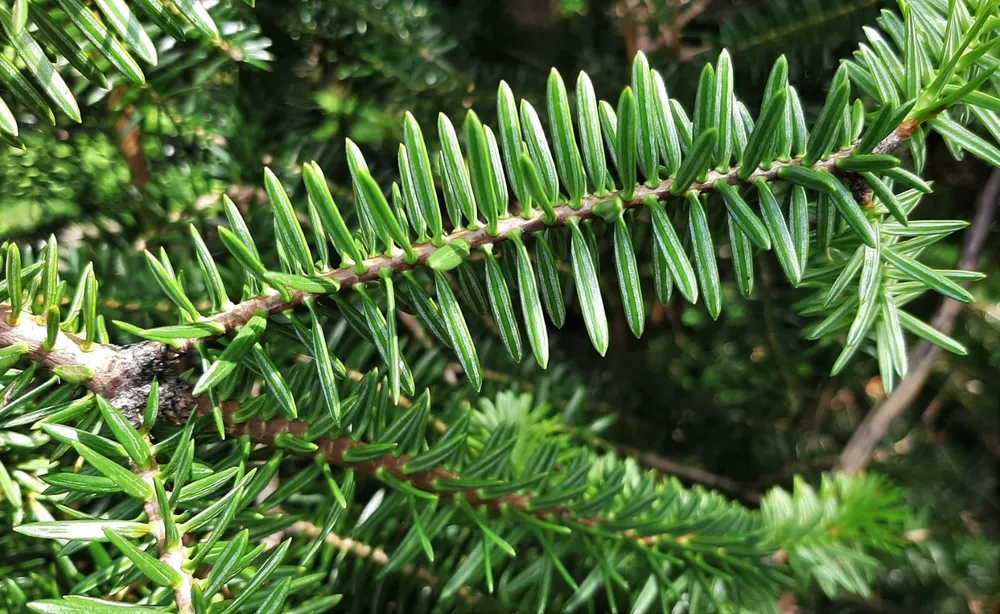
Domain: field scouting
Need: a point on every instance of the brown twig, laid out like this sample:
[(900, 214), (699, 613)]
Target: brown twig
[(858, 451), (376, 555), (695, 475), (172, 557), (129, 138), (404, 401), (264, 431), (629, 29), (695, 8), (668, 467), (638, 16), (412, 324)]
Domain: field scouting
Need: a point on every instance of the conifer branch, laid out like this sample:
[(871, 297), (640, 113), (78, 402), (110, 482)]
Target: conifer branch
[(272, 302), (857, 454), (122, 373), (172, 557), (378, 556), (264, 431), (469, 483), (68, 350)]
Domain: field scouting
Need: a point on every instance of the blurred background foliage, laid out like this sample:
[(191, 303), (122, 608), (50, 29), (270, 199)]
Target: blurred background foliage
[(746, 399)]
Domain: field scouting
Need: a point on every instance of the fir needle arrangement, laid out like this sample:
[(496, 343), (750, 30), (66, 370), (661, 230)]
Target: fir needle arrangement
[(154, 458)]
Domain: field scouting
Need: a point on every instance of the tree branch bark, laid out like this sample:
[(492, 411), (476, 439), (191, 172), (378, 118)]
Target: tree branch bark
[(121, 374)]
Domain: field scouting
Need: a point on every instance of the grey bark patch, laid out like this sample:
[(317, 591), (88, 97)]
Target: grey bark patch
[(135, 367)]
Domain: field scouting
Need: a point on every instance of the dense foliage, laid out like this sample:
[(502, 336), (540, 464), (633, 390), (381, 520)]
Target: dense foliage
[(278, 335)]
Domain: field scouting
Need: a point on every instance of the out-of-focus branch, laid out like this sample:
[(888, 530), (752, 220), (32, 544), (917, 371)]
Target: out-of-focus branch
[(638, 17), (130, 139), (694, 475), (857, 453)]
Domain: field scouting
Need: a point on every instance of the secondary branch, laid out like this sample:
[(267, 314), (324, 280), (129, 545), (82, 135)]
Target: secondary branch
[(857, 453)]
